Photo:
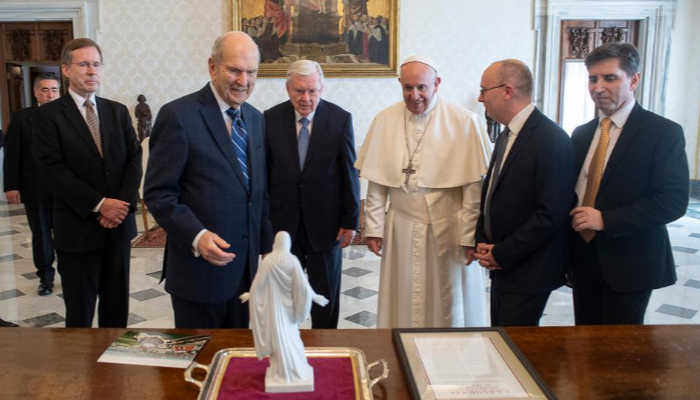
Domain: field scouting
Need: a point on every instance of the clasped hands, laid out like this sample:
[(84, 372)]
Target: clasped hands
[(112, 213), (484, 254)]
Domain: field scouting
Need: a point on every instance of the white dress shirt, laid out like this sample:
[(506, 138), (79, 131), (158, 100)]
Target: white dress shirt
[(618, 118)]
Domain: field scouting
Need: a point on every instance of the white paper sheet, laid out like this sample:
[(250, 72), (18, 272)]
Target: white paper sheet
[(466, 368)]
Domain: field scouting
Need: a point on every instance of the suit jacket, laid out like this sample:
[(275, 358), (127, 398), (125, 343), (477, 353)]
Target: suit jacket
[(529, 208), (644, 187), (193, 182), (326, 193), (21, 170), (79, 178)]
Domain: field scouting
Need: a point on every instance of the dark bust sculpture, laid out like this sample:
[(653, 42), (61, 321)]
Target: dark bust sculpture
[(143, 118)]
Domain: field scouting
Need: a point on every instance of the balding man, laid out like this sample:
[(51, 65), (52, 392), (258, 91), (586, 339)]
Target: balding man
[(24, 182), (425, 158), (522, 231), (314, 190), (205, 185)]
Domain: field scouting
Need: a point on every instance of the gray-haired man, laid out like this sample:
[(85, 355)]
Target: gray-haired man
[(314, 189)]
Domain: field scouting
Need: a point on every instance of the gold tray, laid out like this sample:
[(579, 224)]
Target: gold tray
[(210, 385)]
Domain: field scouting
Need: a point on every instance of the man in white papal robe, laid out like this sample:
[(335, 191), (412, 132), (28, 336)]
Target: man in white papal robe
[(424, 159)]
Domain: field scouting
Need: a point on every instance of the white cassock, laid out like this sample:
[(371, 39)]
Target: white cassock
[(280, 300), (424, 281)]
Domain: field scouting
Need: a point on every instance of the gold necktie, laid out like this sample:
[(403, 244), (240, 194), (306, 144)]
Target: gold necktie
[(595, 172), (93, 125)]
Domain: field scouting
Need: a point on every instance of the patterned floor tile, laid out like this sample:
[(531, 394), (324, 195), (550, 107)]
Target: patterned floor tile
[(30, 275), (355, 252), (147, 294), (685, 249), (12, 213), (356, 272), (10, 257), (364, 318), (359, 292), (564, 289), (693, 283), (44, 320), (8, 233), (695, 235), (10, 294), (155, 275), (676, 311), (135, 319)]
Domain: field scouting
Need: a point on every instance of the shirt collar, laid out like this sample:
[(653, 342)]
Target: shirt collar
[(516, 124), (620, 116), (223, 106), (80, 100), (298, 116)]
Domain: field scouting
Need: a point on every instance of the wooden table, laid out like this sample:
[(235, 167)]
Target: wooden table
[(618, 362)]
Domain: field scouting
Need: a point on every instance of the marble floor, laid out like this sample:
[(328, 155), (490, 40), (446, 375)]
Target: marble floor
[(150, 304)]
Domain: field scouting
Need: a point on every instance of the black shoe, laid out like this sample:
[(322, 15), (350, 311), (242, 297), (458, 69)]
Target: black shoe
[(7, 324), (45, 289)]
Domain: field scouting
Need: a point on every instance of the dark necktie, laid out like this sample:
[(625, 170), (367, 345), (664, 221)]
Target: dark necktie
[(303, 141), (495, 173), (239, 137)]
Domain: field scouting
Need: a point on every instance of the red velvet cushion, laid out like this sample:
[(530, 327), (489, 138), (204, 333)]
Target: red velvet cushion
[(245, 379)]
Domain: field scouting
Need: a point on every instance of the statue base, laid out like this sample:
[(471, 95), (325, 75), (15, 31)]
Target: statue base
[(273, 385)]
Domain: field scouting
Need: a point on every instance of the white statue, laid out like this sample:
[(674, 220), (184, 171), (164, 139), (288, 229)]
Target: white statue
[(279, 301)]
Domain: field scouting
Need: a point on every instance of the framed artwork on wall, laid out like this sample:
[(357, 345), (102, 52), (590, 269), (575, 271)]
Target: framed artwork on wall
[(349, 38)]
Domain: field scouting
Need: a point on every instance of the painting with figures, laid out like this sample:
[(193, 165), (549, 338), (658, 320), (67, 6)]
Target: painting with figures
[(348, 37)]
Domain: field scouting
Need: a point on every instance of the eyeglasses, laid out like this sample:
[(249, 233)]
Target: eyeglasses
[(86, 64), (47, 90), (484, 90)]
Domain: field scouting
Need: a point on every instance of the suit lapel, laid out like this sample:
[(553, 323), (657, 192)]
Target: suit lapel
[(288, 131), (582, 144), (524, 136), (211, 114), (254, 145), (107, 125), (632, 126), (316, 139), (72, 114)]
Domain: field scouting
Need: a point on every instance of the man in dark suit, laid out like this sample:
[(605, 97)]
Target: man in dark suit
[(528, 191), (314, 188), (24, 183), (88, 148), (632, 181), (206, 186)]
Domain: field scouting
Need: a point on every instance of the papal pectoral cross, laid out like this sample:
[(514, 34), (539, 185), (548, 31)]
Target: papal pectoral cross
[(408, 171)]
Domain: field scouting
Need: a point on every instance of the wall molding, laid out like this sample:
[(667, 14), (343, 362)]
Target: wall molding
[(83, 13), (656, 18)]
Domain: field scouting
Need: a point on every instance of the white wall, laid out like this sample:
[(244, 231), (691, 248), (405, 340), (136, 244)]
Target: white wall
[(683, 90), (159, 48)]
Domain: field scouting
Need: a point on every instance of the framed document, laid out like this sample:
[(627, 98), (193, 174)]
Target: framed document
[(349, 38), (470, 363)]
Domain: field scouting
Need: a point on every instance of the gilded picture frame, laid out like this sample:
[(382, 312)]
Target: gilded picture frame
[(349, 38)]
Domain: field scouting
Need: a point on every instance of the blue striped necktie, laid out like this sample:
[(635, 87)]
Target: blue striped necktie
[(239, 137), (303, 141)]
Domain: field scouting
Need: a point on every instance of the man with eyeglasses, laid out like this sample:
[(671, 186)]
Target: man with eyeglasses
[(526, 197), (92, 158), (25, 184), (424, 158)]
